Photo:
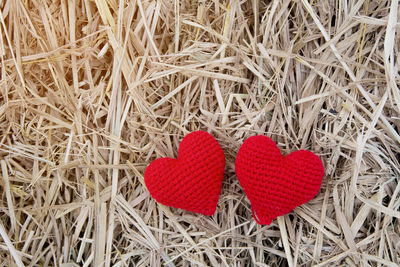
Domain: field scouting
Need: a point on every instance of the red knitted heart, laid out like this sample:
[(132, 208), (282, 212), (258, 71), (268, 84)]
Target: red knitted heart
[(192, 181), (275, 184)]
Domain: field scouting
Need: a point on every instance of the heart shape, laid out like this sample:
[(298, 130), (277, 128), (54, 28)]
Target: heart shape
[(192, 181), (275, 184)]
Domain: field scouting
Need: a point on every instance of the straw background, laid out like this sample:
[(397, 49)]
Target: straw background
[(92, 91)]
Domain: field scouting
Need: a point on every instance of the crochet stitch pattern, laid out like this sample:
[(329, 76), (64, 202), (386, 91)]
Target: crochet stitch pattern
[(275, 184), (192, 181)]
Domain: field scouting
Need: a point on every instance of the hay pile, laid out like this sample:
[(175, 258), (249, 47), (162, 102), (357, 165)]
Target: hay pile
[(92, 91)]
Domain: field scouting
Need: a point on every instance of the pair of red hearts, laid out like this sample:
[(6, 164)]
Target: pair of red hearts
[(274, 184)]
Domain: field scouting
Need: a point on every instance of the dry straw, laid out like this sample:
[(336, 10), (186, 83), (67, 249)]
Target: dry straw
[(92, 91)]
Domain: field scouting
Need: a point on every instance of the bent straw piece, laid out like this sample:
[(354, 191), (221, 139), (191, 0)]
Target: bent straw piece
[(13, 251)]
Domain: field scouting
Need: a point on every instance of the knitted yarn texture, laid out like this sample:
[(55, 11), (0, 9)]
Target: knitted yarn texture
[(192, 181), (275, 184)]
